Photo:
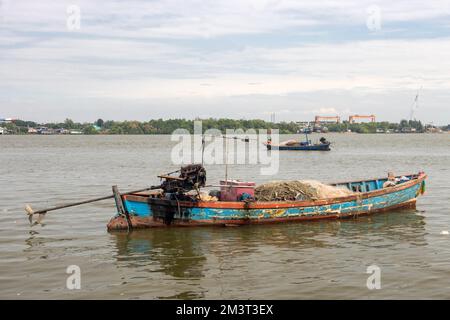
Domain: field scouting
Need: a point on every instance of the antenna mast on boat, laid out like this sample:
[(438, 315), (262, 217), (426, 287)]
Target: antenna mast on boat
[(203, 147), (226, 159)]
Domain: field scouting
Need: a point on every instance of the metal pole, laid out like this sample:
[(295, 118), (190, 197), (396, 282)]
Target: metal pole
[(30, 211), (203, 147), (226, 161)]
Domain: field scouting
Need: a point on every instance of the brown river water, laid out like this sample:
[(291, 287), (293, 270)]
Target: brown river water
[(310, 260)]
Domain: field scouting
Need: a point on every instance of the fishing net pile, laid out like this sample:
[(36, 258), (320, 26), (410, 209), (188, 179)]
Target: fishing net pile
[(288, 143), (298, 190)]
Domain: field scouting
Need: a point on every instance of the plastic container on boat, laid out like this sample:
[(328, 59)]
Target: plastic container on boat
[(231, 190)]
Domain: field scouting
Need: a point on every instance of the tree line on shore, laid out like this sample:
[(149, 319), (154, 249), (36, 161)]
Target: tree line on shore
[(161, 126)]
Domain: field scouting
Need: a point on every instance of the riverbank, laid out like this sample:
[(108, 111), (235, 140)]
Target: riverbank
[(168, 126)]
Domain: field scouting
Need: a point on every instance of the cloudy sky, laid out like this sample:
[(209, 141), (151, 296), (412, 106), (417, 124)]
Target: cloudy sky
[(137, 60)]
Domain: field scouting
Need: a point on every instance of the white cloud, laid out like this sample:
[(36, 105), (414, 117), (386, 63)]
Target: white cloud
[(141, 70), (167, 50), (205, 19)]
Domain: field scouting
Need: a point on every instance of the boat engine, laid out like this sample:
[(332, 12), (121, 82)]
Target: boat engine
[(191, 177), (324, 141)]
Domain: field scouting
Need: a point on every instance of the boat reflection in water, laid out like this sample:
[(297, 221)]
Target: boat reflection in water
[(177, 254), (226, 257)]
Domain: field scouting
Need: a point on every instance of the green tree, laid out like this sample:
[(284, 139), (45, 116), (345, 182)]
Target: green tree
[(99, 123), (69, 124), (11, 127), (89, 129), (403, 123)]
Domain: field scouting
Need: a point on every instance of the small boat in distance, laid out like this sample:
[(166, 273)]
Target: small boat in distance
[(294, 145)]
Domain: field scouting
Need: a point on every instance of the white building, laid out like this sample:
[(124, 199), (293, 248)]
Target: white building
[(2, 130)]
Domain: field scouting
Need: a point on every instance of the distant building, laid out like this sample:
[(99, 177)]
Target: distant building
[(62, 131), (2, 130), (433, 129), (408, 130), (353, 118), (42, 130), (32, 131), (304, 127)]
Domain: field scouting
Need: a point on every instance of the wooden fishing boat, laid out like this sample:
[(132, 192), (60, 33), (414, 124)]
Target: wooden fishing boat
[(149, 209)]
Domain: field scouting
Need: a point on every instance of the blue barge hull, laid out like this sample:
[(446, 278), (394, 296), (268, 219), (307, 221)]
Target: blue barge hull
[(313, 147)]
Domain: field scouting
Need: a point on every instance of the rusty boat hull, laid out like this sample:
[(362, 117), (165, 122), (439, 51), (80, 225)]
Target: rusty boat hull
[(147, 211)]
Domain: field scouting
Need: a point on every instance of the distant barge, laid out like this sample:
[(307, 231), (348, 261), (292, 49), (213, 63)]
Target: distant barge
[(292, 145)]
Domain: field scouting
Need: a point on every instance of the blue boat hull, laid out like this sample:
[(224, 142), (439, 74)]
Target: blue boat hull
[(314, 147), (144, 211)]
